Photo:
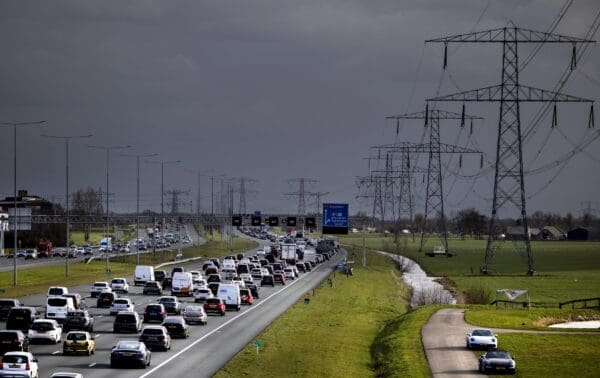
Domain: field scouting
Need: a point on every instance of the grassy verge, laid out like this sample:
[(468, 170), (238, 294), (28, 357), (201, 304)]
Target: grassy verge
[(334, 334), (37, 280), (553, 355)]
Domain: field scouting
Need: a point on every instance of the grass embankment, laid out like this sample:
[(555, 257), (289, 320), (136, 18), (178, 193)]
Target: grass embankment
[(338, 334), (37, 280)]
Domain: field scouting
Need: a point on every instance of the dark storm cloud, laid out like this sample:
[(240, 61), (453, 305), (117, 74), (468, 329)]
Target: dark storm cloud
[(264, 89)]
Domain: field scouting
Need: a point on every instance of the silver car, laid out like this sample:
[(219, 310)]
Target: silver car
[(497, 360)]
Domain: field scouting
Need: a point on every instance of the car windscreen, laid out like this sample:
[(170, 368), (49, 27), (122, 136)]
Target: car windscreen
[(57, 302), (55, 291), (482, 332), (497, 354)]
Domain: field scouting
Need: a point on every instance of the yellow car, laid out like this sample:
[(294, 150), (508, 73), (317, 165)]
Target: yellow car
[(79, 342)]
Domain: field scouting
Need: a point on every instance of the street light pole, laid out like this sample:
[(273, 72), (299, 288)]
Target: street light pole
[(15, 125), (107, 149), (67, 139), (137, 212), (162, 191)]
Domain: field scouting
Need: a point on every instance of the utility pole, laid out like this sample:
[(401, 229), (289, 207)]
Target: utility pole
[(435, 194), (15, 214), (175, 199), (107, 149), (301, 193), (509, 183), (67, 139), (137, 208)]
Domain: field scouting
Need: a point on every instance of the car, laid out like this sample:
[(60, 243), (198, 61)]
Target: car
[(128, 351), (254, 290), (246, 296), (21, 318), (121, 304), (482, 338), (20, 362), (279, 278), (247, 278), (207, 265), (154, 312), (289, 273), (238, 281), (167, 283), (195, 314), (201, 295), (498, 360), (78, 301), (171, 304), (214, 306), (79, 342), (106, 299), (156, 337), (127, 321), (257, 273), (216, 262), (78, 320), (57, 291), (13, 340), (195, 274), (200, 283), (31, 254), (88, 251), (45, 329), (307, 267), (159, 275), (300, 267), (176, 326), (152, 287), (119, 285), (21, 253), (214, 287), (99, 287), (5, 305), (267, 280), (215, 277)]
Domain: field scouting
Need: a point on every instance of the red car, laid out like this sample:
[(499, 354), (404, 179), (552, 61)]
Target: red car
[(215, 306), (246, 296), (279, 278)]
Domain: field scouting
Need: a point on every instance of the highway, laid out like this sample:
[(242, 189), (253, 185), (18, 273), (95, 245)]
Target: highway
[(204, 353)]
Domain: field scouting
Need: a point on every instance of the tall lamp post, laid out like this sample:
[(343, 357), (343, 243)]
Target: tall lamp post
[(200, 174), (67, 139), (162, 191), (108, 149), (137, 211), (15, 125)]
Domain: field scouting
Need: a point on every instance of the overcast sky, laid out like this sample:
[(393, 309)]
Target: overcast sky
[(274, 90)]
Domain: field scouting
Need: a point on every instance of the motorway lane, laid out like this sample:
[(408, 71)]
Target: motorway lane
[(238, 331)]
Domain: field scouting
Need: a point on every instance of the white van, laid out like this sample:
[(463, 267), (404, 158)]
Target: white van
[(230, 294), (182, 284), (57, 307), (143, 274)]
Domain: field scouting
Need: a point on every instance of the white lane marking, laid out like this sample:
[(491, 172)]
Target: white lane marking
[(55, 352), (224, 324), (92, 364)]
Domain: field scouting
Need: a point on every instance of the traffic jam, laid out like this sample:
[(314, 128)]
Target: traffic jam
[(119, 323)]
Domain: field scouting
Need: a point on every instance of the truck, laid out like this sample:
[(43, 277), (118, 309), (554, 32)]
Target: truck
[(44, 248), (288, 253), (310, 256), (105, 245)]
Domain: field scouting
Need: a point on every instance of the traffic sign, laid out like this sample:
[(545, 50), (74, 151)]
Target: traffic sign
[(335, 218)]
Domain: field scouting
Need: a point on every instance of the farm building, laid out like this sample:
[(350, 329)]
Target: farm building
[(552, 233), (584, 233)]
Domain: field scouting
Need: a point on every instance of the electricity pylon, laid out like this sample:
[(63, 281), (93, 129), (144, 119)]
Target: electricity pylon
[(301, 193), (509, 185)]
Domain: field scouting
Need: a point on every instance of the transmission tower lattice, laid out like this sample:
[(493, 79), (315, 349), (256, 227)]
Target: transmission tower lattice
[(175, 199), (434, 202), (509, 186), (301, 193)]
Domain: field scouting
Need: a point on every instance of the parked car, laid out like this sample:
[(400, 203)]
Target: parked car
[(246, 296), (79, 342), (121, 304), (5, 305), (171, 304), (45, 329), (267, 280), (20, 362), (154, 312), (13, 340), (482, 338), (119, 285), (99, 287), (497, 360), (176, 326), (156, 337), (79, 320), (127, 321), (195, 314), (214, 306), (152, 287), (106, 299), (128, 351)]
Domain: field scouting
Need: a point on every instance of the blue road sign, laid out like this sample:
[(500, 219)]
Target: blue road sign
[(335, 215)]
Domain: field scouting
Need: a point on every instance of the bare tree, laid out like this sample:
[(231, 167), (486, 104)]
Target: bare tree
[(87, 202)]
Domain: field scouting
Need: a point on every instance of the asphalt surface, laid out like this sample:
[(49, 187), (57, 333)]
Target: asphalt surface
[(209, 347)]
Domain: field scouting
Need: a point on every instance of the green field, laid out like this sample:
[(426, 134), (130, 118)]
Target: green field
[(333, 336)]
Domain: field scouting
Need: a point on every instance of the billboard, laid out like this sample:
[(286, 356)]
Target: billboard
[(23, 218), (335, 218)]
